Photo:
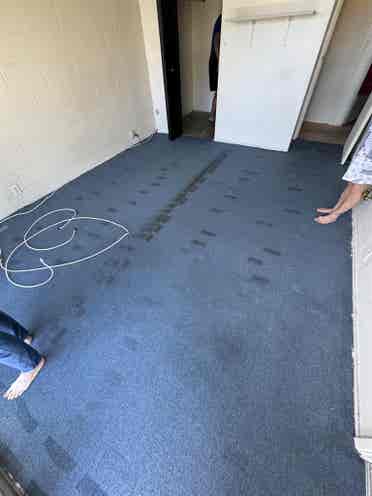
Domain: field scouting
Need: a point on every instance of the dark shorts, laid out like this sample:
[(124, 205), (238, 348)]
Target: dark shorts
[(213, 71)]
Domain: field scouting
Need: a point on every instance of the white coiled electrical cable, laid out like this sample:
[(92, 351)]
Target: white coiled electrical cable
[(60, 225)]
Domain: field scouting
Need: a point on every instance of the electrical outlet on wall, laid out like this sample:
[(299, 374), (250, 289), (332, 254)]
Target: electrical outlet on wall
[(16, 190), (15, 193), (134, 135)]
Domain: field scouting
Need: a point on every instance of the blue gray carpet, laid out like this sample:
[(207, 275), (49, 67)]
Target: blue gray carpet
[(210, 353)]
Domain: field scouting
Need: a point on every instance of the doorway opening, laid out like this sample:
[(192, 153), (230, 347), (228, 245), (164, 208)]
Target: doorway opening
[(325, 133), (186, 31), (361, 98)]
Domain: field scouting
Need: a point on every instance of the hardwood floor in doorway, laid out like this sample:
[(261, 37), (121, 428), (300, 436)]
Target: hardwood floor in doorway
[(324, 133), (197, 125)]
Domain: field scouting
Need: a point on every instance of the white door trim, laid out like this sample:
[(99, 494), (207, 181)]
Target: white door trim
[(358, 129), (318, 67)]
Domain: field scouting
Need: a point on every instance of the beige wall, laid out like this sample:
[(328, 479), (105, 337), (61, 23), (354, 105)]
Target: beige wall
[(345, 65), (73, 84)]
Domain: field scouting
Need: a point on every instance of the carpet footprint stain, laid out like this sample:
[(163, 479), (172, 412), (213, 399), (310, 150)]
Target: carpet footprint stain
[(131, 248), (96, 193), (208, 233), (199, 243), (255, 261), (109, 280), (27, 421), (113, 378), (293, 211), (264, 223), (59, 456), (244, 179), (250, 172), (155, 184), (112, 210), (216, 210), (130, 343), (152, 302), (113, 262), (143, 192), (132, 203), (88, 487), (295, 188), (78, 307), (260, 280), (271, 251), (94, 406), (94, 235), (162, 177), (231, 197), (164, 169), (55, 340), (125, 264)]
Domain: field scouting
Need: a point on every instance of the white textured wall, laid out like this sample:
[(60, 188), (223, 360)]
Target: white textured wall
[(73, 83), (150, 23), (345, 65)]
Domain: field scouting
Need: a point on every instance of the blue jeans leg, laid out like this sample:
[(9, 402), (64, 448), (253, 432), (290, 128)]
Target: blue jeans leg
[(13, 351), (7, 322)]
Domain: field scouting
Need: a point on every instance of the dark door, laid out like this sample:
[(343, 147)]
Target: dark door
[(168, 24)]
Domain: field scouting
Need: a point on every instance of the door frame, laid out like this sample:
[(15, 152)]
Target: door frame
[(318, 66), (357, 130), (170, 55)]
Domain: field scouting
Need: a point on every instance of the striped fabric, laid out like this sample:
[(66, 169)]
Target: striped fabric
[(360, 168)]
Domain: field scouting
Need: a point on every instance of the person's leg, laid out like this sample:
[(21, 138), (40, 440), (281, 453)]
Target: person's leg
[(7, 322), (352, 197), (340, 200), (19, 355)]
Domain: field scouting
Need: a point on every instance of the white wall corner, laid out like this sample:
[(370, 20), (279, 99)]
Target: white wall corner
[(364, 449), (362, 337), (363, 445), (368, 479)]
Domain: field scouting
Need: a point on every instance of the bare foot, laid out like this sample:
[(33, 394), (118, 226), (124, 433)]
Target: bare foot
[(325, 210), (351, 197), (28, 339), (327, 219), (23, 382), (339, 202)]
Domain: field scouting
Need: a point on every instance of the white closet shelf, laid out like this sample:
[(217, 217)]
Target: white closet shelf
[(270, 11)]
